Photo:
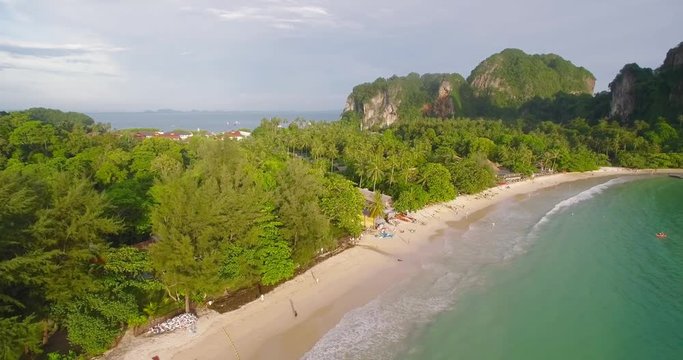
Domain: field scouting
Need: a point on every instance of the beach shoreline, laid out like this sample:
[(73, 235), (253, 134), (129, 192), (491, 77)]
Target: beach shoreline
[(291, 318)]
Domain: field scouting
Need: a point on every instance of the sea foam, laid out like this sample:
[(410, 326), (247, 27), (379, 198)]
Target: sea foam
[(580, 197), (521, 243)]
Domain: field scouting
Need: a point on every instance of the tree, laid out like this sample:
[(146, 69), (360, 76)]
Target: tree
[(188, 221), (31, 137), (149, 149), (122, 278), (273, 253), (582, 159), (75, 225), (411, 197), (131, 202), (261, 256), (437, 182), (343, 204), (472, 175), (18, 337), (375, 170), (376, 207), (297, 201), (114, 168)]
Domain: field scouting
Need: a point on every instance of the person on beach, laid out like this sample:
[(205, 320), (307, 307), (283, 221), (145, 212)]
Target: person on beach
[(291, 303)]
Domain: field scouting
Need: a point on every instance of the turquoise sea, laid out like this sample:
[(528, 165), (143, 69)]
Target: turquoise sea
[(571, 272)]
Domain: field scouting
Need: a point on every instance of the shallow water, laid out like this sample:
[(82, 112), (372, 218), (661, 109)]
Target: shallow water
[(572, 272)]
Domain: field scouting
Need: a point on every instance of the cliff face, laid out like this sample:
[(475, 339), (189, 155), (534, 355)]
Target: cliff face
[(510, 78), (643, 94), (671, 73), (379, 110), (443, 106), (623, 90), (674, 58), (382, 102)]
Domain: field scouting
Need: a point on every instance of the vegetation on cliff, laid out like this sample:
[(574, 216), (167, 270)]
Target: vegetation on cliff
[(511, 77)]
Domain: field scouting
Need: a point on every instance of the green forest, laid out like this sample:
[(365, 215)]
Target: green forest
[(224, 215)]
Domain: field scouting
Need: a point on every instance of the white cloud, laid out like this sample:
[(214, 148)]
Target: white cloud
[(47, 46), (92, 64), (277, 14), (306, 11), (93, 59)]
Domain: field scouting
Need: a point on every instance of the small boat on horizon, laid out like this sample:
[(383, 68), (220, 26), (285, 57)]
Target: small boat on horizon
[(661, 235)]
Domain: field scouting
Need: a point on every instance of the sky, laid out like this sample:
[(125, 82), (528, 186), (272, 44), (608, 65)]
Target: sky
[(134, 55)]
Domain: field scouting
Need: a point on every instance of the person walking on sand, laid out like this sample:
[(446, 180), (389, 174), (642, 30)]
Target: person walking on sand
[(291, 303)]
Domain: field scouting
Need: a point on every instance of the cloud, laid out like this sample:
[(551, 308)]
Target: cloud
[(47, 46), (45, 50), (277, 14), (66, 58), (306, 11)]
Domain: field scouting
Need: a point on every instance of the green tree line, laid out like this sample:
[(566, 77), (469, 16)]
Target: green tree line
[(225, 215)]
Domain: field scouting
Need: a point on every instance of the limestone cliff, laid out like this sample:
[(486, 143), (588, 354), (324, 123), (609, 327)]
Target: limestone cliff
[(623, 90), (381, 109), (443, 106), (671, 73), (646, 94), (674, 58), (382, 102)]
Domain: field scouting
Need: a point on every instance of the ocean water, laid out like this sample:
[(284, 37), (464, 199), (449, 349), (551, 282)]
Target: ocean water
[(205, 120), (571, 272)]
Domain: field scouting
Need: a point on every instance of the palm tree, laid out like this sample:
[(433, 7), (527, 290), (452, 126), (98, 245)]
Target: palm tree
[(331, 152), (377, 207), (394, 163), (375, 172), (317, 148)]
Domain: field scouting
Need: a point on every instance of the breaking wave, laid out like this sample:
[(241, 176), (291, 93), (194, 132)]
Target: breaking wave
[(580, 197)]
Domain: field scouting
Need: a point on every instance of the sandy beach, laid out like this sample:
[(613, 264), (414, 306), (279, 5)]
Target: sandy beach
[(269, 329)]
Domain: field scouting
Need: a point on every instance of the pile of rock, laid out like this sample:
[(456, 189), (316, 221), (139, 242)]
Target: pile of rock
[(184, 321)]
